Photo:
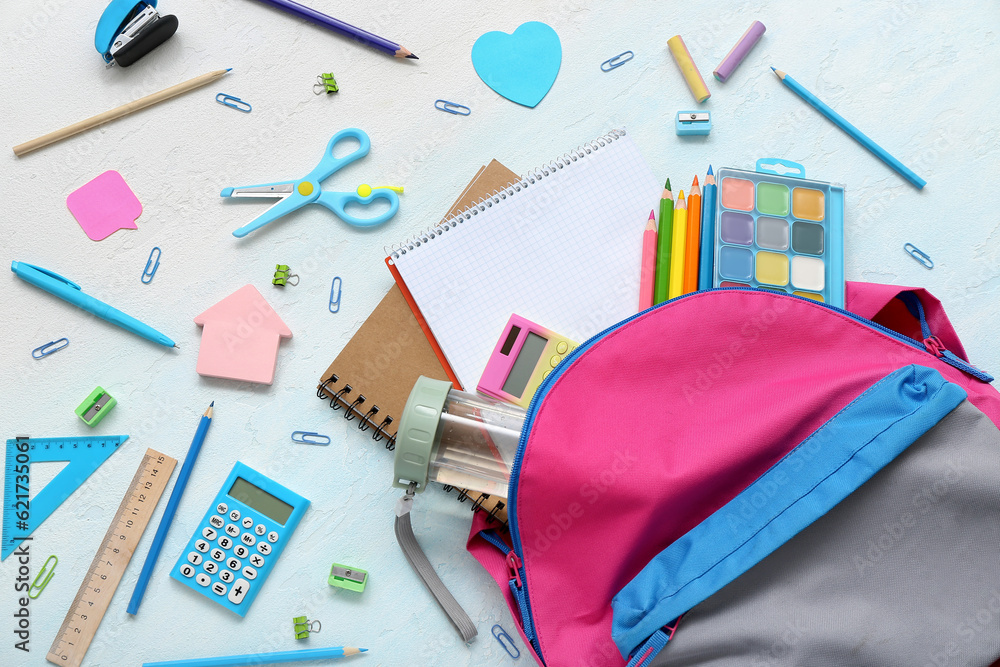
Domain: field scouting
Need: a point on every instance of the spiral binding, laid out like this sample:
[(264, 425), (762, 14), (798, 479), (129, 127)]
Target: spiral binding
[(342, 399), (533, 176)]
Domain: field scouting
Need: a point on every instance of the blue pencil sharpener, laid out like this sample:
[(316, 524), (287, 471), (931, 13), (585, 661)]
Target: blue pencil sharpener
[(690, 123), (129, 29)]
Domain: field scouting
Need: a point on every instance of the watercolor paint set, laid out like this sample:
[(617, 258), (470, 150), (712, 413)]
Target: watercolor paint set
[(776, 230)]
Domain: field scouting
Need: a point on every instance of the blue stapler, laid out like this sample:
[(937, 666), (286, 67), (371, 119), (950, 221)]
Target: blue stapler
[(129, 29)]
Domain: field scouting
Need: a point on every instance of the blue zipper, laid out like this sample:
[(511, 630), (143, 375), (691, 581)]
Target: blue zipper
[(521, 592)]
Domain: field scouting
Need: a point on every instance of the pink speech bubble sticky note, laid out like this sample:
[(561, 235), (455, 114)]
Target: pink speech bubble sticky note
[(104, 205)]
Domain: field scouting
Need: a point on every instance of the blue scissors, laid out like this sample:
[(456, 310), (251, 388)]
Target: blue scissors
[(296, 194)]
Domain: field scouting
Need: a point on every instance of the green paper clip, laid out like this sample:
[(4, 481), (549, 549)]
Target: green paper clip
[(36, 588), (283, 276), (325, 83), (351, 578), (303, 627), (95, 406)]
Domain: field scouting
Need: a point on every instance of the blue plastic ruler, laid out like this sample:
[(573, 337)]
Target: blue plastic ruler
[(84, 455)]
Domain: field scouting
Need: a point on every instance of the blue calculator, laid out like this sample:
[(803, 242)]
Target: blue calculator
[(235, 546)]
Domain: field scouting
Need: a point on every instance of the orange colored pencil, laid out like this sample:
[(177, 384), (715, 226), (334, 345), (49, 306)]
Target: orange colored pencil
[(647, 275), (693, 239)]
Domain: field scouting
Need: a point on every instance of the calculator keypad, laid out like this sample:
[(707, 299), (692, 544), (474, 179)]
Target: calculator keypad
[(230, 551)]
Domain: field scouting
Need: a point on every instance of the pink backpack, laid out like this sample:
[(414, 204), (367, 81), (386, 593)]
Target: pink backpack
[(740, 477)]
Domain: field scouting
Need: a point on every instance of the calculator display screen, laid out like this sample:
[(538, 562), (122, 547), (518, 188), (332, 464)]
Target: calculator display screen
[(520, 372), (258, 499)]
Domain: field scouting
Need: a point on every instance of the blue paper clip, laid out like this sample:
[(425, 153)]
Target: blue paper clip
[(335, 295), (919, 255), (147, 273), (228, 101), (47, 349), (510, 647), (310, 438), (617, 61), (452, 107), (37, 588)]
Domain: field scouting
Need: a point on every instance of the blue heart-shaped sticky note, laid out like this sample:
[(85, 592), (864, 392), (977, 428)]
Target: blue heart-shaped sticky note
[(522, 66)]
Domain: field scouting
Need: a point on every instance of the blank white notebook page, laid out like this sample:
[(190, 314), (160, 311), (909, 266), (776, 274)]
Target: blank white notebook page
[(563, 252)]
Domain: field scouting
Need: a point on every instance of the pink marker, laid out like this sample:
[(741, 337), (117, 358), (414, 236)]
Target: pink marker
[(647, 276), (740, 51)]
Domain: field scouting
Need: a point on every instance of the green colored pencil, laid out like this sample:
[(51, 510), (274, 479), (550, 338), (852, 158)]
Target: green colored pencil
[(663, 239)]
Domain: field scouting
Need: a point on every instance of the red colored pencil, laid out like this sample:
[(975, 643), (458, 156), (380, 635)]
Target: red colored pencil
[(693, 239), (647, 276)]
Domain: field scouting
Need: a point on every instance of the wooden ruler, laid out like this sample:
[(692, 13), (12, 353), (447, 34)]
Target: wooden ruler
[(102, 578)]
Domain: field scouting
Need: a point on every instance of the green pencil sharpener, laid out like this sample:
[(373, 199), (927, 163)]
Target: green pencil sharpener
[(351, 578), (95, 406)]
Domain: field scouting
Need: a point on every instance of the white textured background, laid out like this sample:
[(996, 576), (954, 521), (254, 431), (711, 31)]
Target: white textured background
[(919, 77)]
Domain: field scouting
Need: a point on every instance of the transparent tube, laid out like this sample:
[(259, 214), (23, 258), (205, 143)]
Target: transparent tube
[(476, 442)]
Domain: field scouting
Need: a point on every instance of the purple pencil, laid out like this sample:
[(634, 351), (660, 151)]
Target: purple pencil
[(740, 51)]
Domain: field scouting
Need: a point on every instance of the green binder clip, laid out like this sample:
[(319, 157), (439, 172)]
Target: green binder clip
[(283, 276), (304, 626), (351, 578), (95, 406), (325, 83)]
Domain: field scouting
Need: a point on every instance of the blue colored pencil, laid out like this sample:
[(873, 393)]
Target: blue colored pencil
[(852, 131), (262, 658), (171, 509), (706, 259)]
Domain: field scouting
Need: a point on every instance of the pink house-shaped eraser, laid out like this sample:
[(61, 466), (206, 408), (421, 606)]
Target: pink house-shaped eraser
[(240, 337)]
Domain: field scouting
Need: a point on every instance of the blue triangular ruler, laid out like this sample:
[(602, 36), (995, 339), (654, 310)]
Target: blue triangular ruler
[(84, 456)]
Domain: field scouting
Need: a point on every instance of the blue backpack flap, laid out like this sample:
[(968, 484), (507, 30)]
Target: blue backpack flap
[(866, 546)]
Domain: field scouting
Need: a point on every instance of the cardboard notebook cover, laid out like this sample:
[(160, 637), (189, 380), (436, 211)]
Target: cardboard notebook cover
[(372, 376)]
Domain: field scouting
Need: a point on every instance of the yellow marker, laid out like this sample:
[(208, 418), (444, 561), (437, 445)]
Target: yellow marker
[(691, 74), (677, 247)]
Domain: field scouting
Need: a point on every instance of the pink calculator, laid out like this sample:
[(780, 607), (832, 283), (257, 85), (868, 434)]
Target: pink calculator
[(524, 356)]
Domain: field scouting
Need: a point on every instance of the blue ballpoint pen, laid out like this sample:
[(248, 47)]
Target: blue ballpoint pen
[(69, 291)]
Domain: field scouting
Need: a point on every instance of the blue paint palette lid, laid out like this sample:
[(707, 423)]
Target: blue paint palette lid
[(776, 230)]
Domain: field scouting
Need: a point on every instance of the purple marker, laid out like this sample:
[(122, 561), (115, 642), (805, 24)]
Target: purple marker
[(740, 51)]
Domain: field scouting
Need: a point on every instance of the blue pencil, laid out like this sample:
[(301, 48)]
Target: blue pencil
[(262, 658), (852, 131), (706, 260), (171, 509)]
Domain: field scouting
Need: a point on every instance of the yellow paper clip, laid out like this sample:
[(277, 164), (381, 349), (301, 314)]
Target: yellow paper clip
[(36, 588)]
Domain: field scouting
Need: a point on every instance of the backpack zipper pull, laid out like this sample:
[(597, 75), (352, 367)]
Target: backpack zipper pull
[(514, 567), (935, 346)]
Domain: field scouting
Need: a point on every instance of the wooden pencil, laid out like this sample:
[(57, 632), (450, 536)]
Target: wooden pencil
[(693, 238), (678, 247), (664, 235), (647, 274), (118, 112)]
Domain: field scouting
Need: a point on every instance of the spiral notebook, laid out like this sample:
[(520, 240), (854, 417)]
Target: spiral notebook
[(370, 380), (561, 247)]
